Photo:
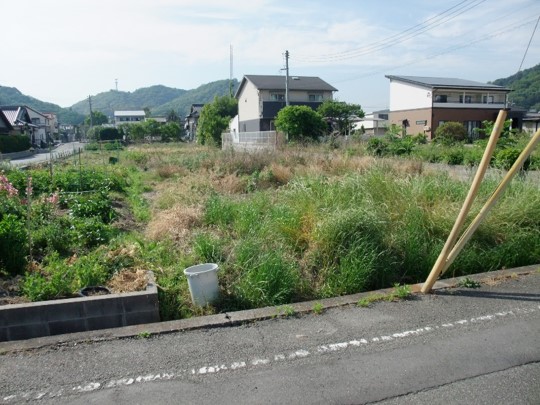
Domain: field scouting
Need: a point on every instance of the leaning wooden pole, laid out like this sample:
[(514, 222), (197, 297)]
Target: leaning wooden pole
[(473, 191), (492, 200)]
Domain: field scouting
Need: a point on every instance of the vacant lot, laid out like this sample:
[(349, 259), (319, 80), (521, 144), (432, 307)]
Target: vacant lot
[(301, 223)]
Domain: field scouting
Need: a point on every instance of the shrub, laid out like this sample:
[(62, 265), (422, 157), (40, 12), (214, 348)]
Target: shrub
[(13, 244), (14, 143), (377, 147), (505, 158), (90, 205), (450, 133)]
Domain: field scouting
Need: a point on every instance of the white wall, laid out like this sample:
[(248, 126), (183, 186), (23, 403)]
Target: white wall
[(248, 103), (405, 96)]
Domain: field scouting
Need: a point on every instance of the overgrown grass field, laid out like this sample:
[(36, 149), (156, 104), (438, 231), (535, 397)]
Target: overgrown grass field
[(301, 223)]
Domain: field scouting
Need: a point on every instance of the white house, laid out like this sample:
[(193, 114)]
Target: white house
[(374, 123), (261, 97), (421, 104), (128, 117)]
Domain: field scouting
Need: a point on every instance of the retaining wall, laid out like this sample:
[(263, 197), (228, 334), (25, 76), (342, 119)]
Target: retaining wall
[(47, 318)]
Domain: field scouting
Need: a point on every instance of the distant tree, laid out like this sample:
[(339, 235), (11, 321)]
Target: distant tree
[(135, 132), (109, 134), (98, 118), (171, 131), (152, 128), (300, 121), (340, 113), (147, 112), (214, 119), (172, 116), (450, 132)]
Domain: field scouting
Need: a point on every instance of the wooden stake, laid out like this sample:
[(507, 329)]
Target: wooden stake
[(492, 200), (473, 191)]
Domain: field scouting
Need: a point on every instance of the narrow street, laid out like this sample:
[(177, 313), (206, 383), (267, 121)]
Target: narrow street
[(454, 346)]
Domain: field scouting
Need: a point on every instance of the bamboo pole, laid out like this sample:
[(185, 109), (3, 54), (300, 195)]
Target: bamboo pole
[(473, 191), (492, 200)]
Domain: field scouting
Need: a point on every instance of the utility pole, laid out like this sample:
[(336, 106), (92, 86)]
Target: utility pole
[(116, 84), (91, 118), (287, 78), (231, 72)]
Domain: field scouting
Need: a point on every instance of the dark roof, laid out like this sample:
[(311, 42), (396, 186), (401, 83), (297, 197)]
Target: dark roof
[(264, 82), (4, 122), (446, 83)]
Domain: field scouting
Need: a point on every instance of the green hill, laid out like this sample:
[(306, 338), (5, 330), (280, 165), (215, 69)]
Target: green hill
[(526, 88), (12, 96), (147, 97), (159, 99), (201, 95)]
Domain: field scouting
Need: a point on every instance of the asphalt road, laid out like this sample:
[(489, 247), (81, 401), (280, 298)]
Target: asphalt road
[(58, 151), (457, 346)]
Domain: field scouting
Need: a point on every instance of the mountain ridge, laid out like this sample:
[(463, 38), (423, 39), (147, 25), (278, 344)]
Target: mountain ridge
[(159, 99)]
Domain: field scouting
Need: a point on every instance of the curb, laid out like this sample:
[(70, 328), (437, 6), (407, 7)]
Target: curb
[(240, 317)]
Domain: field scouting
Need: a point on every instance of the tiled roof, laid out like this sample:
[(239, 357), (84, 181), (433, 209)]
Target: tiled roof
[(307, 83), (11, 113), (445, 82)]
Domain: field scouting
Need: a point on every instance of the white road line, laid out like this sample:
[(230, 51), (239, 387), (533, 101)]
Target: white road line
[(258, 361)]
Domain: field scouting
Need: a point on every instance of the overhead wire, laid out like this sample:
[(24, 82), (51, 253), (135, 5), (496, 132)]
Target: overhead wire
[(405, 35), (446, 51)]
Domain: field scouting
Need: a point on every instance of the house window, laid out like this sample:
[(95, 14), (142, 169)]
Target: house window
[(277, 96), (472, 129), (487, 99), (315, 97), (467, 99), (441, 98)]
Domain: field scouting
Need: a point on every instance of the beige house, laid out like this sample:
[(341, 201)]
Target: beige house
[(421, 104), (261, 97)]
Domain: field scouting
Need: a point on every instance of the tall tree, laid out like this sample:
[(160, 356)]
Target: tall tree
[(340, 113), (172, 116), (98, 118), (214, 119)]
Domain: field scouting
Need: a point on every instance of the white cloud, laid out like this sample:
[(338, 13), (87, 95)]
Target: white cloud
[(61, 50)]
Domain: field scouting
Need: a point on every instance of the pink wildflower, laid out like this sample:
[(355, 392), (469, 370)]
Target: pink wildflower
[(7, 186)]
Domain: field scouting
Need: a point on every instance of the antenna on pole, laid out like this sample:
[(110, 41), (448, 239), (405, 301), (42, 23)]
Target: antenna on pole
[(286, 77), (230, 70)]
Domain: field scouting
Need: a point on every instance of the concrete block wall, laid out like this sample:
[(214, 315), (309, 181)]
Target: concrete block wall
[(47, 318)]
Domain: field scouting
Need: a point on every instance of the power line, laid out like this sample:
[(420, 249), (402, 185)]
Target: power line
[(400, 37), (447, 50), (529, 44)]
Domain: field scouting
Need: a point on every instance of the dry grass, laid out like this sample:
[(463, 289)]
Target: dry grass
[(174, 223), (128, 281), (230, 184)]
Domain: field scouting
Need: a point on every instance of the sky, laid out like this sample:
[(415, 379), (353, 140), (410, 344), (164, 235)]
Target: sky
[(62, 51)]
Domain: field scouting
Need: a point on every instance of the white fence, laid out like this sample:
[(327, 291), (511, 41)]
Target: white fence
[(267, 140)]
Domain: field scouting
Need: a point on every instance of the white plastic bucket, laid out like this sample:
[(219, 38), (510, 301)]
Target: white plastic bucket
[(203, 283)]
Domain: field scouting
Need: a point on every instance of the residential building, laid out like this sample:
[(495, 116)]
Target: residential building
[(192, 120), (41, 127), (129, 117), (53, 129), (20, 122), (531, 122), (421, 104), (5, 126), (374, 123), (260, 98)]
